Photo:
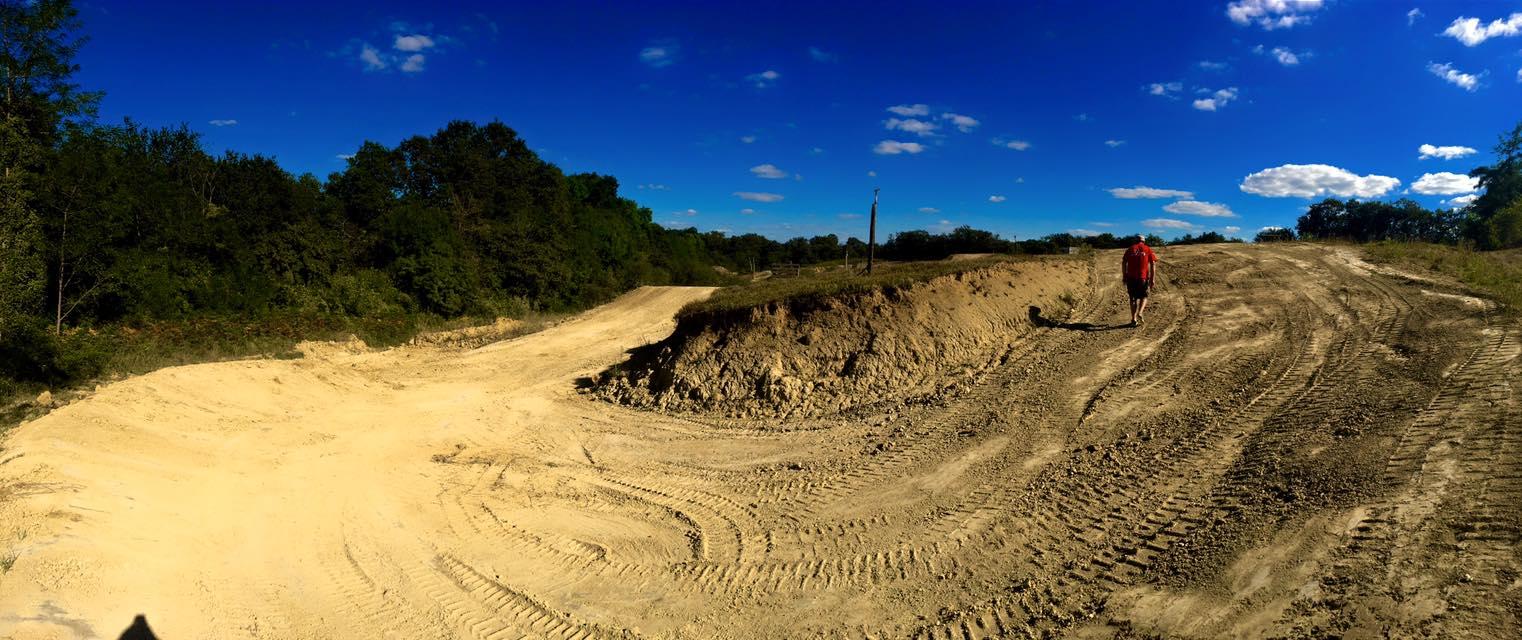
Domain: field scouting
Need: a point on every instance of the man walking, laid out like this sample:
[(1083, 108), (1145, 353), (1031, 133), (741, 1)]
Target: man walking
[(1137, 269)]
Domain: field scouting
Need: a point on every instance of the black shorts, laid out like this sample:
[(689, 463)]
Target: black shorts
[(1137, 289)]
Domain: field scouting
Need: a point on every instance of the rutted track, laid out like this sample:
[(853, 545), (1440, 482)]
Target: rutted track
[(1287, 447)]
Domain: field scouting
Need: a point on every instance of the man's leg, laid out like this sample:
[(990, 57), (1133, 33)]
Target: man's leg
[(1141, 308)]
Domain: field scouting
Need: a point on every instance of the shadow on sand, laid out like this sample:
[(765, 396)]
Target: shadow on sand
[(1036, 319), (139, 630)]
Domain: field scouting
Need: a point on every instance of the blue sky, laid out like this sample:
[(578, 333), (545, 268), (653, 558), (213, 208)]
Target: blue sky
[(780, 118)]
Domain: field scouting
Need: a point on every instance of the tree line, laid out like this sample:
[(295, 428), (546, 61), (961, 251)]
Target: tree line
[(1492, 220)]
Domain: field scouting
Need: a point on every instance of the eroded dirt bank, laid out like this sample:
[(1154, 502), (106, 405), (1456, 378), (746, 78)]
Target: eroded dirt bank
[(872, 349), (1293, 445)]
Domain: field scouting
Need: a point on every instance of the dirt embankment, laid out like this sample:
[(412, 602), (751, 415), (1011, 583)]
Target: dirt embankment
[(817, 357)]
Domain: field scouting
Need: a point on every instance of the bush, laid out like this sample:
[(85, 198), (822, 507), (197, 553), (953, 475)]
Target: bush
[(365, 293), (30, 353), (1274, 234), (516, 307)]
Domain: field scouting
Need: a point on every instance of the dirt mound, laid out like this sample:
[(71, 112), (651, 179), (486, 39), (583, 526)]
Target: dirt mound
[(818, 357), (329, 349), (470, 337)]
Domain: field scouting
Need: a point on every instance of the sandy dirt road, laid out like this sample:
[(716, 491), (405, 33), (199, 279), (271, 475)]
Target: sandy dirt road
[(1294, 444)]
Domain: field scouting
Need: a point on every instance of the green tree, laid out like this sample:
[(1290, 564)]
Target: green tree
[(37, 47), (1274, 234), (1502, 185), (21, 261)]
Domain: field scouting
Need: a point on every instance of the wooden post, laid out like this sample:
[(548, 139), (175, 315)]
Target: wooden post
[(872, 233)]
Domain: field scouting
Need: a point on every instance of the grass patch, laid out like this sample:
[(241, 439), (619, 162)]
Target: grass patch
[(1497, 274), (816, 284)]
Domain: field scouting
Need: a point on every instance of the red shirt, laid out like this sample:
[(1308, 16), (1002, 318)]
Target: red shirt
[(1136, 266)]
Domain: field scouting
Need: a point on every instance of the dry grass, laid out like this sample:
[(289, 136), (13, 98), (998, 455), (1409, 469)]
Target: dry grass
[(1497, 274), (820, 284)]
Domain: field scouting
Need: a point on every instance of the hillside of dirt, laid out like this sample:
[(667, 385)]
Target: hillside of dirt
[(810, 357), (1293, 445)]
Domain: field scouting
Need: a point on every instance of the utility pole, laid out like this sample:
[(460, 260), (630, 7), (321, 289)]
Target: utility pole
[(872, 233)]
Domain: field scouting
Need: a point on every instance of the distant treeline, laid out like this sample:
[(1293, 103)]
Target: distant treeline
[(923, 245), (144, 224), (1492, 219)]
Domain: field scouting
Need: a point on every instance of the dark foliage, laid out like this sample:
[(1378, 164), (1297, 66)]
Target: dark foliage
[(1274, 234), (1208, 237)]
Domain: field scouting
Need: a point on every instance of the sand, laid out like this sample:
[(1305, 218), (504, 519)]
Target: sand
[(1293, 444)]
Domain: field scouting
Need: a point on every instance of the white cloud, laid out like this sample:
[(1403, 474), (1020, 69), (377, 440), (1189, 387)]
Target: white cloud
[(871, 174), (344, 156), (1466, 81), (1165, 89), (1103, 224), (1412, 15), (1134, 193), (1114, 143), (894, 147), (747, 139), (848, 216), (690, 213), (910, 125), (769, 171), (1203, 209), (1519, 75), (1444, 183), (816, 151), (996, 198), (820, 55), (1020, 180), (655, 187), (413, 63), (931, 210), (754, 196), (1083, 232), (1017, 145), (1216, 100), (223, 123), (372, 58), (1231, 230), (764, 79), (1470, 32), (1082, 117), (1285, 56), (416, 42), (1211, 65), (907, 110), (1446, 153), (1272, 14), (965, 124), (1311, 180), (1169, 223), (658, 55), (1461, 201), (747, 211)]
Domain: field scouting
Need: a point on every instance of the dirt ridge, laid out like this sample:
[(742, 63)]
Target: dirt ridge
[(811, 358)]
